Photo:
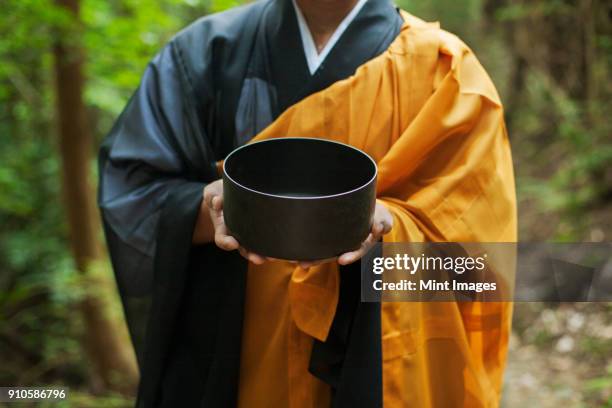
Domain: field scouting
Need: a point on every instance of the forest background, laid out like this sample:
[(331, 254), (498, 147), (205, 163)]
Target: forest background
[(67, 69)]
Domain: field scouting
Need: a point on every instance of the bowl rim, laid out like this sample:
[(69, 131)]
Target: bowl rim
[(374, 176)]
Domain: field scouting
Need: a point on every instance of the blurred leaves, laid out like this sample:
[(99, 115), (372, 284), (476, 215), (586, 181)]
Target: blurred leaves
[(41, 331)]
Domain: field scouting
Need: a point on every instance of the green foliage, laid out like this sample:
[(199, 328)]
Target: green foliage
[(459, 17), (580, 152), (120, 39), (41, 331), (598, 389), (33, 253)]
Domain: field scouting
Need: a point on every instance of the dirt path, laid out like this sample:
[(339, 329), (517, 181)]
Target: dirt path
[(560, 358)]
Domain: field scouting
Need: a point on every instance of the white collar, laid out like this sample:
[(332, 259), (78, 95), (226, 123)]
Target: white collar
[(313, 58)]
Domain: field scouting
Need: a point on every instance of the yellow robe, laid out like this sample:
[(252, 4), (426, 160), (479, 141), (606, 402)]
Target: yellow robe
[(429, 115)]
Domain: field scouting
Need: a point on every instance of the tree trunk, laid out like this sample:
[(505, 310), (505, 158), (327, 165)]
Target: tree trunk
[(106, 338)]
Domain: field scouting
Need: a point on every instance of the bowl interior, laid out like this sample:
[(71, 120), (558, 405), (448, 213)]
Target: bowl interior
[(300, 167)]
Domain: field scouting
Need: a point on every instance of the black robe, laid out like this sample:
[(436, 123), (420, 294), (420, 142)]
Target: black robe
[(213, 87)]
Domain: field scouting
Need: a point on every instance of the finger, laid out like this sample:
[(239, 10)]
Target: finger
[(222, 238), (383, 216), (377, 228), (349, 257), (353, 256), (252, 256), (387, 222), (218, 221), (210, 192), (208, 196), (256, 258), (226, 242), (217, 203)]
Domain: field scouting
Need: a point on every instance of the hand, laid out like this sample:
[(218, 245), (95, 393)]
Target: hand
[(211, 213), (382, 223), (213, 205)]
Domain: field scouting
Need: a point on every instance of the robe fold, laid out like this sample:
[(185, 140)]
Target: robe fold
[(429, 115), (222, 333)]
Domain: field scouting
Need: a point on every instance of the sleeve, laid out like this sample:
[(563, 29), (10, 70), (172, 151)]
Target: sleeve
[(157, 148), (449, 178), (153, 166)]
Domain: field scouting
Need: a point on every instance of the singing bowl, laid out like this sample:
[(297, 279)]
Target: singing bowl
[(299, 198)]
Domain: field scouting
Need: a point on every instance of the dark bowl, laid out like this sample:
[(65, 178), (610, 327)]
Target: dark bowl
[(299, 198)]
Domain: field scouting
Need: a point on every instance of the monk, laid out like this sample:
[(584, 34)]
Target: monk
[(216, 325)]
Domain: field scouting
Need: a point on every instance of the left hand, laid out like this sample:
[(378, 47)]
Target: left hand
[(212, 205), (382, 223)]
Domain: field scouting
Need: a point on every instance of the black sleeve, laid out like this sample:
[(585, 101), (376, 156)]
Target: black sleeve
[(157, 146), (157, 150), (153, 166)]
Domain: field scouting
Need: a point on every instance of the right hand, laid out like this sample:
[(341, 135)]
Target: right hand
[(212, 206)]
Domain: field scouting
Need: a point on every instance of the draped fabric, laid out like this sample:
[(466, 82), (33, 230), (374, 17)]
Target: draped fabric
[(210, 89), (211, 330), (163, 144), (427, 112)]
